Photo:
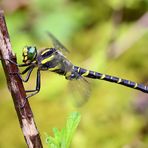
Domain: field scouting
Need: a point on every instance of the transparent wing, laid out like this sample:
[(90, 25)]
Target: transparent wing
[(57, 44), (79, 88), (80, 91)]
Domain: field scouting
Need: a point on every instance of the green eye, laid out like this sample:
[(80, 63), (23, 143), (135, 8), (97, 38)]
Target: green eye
[(29, 54), (32, 53)]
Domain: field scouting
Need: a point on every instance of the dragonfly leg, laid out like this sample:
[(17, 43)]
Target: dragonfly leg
[(29, 70), (19, 65), (36, 90), (38, 84)]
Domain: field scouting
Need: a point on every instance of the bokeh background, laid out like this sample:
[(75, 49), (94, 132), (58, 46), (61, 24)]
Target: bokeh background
[(108, 36)]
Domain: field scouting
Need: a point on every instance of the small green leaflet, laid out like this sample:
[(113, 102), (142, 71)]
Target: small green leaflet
[(63, 139)]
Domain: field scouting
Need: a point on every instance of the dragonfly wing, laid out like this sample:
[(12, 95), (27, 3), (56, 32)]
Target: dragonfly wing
[(57, 44), (80, 91)]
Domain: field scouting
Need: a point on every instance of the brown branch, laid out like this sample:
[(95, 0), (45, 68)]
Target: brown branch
[(16, 88)]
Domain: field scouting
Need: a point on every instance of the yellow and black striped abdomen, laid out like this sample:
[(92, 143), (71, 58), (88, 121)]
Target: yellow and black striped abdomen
[(97, 75)]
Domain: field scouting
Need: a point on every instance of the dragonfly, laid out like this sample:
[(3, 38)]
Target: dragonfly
[(54, 60)]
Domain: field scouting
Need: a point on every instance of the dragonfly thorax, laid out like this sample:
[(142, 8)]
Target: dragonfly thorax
[(29, 54)]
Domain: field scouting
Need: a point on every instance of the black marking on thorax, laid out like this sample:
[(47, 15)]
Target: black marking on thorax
[(47, 52), (46, 59)]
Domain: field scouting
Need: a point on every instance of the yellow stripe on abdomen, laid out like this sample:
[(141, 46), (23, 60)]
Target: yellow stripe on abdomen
[(103, 76), (86, 73), (135, 86), (119, 80)]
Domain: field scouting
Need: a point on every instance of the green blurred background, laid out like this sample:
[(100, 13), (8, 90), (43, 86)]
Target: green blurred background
[(108, 36)]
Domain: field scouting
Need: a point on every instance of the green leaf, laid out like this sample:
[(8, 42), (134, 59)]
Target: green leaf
[(71, 126), (63, 139)]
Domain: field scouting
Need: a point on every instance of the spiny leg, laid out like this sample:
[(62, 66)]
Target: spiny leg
[(19, 65), (29, 70), (38, 84), (36, 90)]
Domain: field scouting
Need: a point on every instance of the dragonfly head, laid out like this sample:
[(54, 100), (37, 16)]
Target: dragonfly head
[(29, 54)]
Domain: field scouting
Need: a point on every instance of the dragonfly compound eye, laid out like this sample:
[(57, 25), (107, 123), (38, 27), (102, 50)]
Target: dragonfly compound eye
[(29, 54)]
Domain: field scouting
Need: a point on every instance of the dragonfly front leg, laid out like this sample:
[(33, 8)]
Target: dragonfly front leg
[(19, 65), (29, 70)]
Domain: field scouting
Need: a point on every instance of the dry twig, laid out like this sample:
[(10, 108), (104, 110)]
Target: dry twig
[(16, 88)]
